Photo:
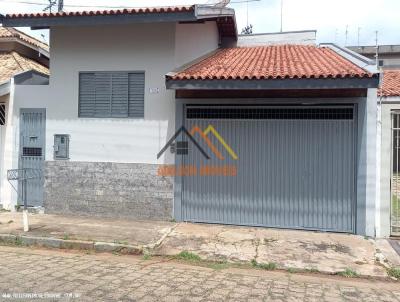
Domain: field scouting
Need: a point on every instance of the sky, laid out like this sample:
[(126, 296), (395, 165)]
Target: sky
[(330, 18)]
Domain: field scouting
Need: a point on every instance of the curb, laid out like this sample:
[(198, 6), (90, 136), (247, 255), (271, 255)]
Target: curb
[(20, 240)]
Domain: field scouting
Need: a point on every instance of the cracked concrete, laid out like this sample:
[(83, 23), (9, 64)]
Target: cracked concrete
[(304, 250), (325, 252)]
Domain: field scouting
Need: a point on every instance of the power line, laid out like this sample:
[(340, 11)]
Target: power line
[(99, 6)]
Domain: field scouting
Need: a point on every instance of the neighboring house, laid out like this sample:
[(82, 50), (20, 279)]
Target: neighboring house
[(388, 188), (23, 61), (389, 142), (273, 135), (388, 55)]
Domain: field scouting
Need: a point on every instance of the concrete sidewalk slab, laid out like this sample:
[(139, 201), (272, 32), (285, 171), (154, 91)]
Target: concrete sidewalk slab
[(288, 249), (137, 233), (304, 250)]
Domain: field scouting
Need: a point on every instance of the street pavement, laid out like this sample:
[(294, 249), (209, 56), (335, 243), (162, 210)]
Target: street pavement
[(28, 274)]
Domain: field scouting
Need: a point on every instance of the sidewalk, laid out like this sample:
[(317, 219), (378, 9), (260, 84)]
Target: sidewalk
[(287, 249)]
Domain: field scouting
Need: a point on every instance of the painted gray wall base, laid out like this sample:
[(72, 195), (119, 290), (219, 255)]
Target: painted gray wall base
[(114, 190)]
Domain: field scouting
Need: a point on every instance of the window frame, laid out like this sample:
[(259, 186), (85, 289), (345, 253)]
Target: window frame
[(128, 72)]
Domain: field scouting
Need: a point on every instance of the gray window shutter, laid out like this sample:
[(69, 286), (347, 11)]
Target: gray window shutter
[(103, 94), (87, 95), (136, 95), (111, 94), (119, 99)]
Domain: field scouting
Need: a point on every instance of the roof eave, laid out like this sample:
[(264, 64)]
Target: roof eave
[(37, 48), (5, 87), (274, 84), (46, 22)]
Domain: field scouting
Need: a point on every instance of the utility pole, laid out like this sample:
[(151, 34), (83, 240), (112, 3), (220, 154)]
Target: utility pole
[(377, 49), (346, 35), (60, 5), (358, 36), (281, 15)]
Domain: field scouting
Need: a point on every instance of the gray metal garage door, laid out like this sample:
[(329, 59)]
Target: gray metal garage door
[(295, 167)]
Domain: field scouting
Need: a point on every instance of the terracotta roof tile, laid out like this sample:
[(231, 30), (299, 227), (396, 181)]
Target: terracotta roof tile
[(126, 11), (272, 62), (390, 83), (12, 63), (10, 32)]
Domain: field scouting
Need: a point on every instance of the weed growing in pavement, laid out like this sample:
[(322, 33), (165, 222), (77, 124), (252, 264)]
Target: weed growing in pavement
[(18, 241), (394, 272), (146, 257), (292, 270), (188, 256), (270, 266), (66, 237), (348, 273)]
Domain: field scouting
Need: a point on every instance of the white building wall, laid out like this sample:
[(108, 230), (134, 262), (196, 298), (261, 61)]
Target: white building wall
[(155, 49), (194, 40), (387, 106), (306, 37), (3, 172)]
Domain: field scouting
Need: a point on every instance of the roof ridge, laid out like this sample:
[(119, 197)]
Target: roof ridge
[(147, 9)]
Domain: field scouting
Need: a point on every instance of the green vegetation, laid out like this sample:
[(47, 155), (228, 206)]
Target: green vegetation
[(394, 272), (218, 265), (188, 256), (270, 266), (292, 270), (121, 242), (146, 257), (395, 206), (348, 273), (18, 241), (66, 237), (312, 270)]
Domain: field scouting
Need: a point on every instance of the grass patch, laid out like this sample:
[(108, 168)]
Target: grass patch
[(312, 270), (394, 272), (348, 273), (292, 270), (18, 241), (188, 256), (121, 242), (66, 237), (270, 266), (146, 257), (218, 265), (395, 206)]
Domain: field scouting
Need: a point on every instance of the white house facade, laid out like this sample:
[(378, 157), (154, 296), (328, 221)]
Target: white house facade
[(268, 135)]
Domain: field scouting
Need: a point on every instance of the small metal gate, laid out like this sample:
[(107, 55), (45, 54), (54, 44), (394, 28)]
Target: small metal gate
[(31, 154), (295, 167), (395, 175)]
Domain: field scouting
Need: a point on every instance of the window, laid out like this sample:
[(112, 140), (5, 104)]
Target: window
[(2, 114), (111, 94)]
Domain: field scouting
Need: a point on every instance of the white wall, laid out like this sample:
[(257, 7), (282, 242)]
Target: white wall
[(299, 38), (194, 40), (388, 104), (3, 100), (155, 49)]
